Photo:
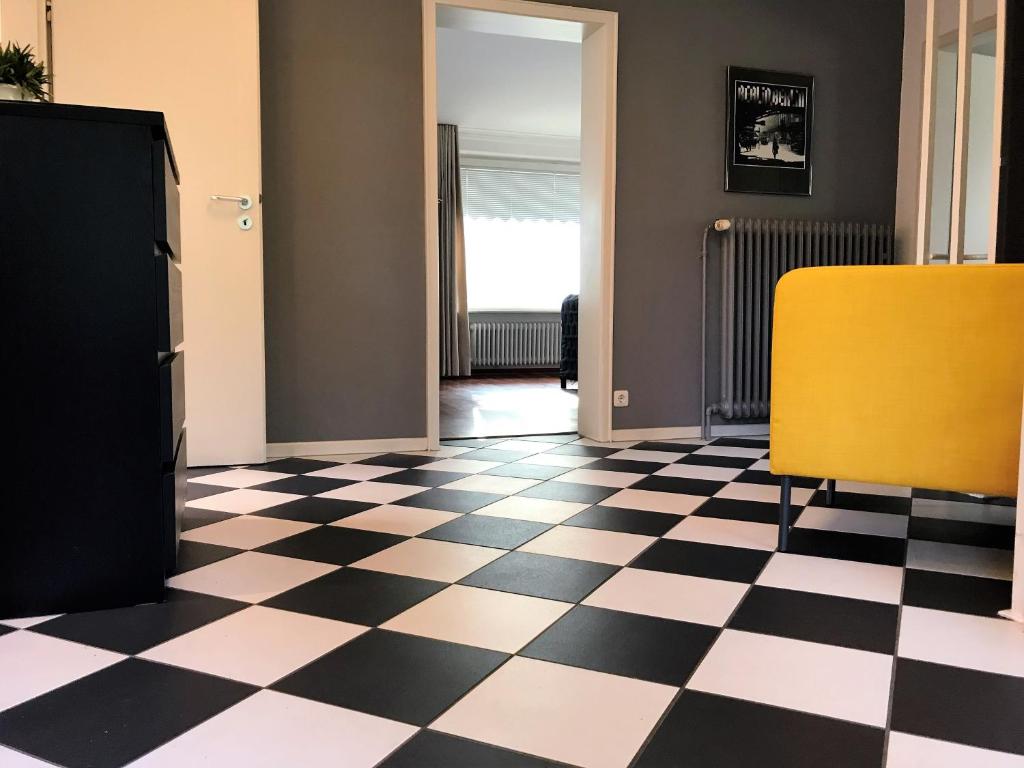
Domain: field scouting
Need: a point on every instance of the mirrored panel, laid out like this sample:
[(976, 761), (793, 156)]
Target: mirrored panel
[(947, 14)]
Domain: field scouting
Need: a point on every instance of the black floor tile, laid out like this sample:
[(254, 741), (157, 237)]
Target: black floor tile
[(583, 450), (195, 491), (654, 445), (626, 465), (473, 442), (357, 596), (203, 471), (486, 531), (625, 520), (739, 509), (328, 544), (295, 466), (626, 644), (860, 624), (581, 493), (528, 471), (450, 501), (5, 630), (922, 493), (193, 517), (708, 561), (761, 477), (960, 705), (556, 439), (304, 484), (881, 550), (679, 485), (706, 730), (961, 532), (196, 554), (492, 454), (740, 442), (555, 578), (403, 460), (424, 477), (315, 510), (953, 592), (117, 714), (710, 460), (138, 628), (400, 677), (430, 749), (865, 502)]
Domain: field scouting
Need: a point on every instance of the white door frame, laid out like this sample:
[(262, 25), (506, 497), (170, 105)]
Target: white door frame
[(597, 236)]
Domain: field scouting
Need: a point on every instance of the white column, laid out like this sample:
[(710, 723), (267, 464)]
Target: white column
[(1016, 610)]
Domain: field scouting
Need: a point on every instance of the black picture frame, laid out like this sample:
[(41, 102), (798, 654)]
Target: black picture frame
[(768, 143)]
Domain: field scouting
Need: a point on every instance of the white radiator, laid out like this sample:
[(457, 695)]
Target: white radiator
[(515, 340)]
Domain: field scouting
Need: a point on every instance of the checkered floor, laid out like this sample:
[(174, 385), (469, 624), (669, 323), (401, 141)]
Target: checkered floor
[(540, 601)]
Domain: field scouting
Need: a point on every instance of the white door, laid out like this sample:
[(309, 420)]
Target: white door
[(197, 61)]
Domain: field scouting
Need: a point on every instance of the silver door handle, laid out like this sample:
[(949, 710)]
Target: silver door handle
[(244, 201)]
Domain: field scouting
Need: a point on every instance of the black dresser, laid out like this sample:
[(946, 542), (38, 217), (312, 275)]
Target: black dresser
[(94, 475)]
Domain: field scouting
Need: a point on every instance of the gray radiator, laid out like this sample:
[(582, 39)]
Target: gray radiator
[(755, 254), (515, 340)]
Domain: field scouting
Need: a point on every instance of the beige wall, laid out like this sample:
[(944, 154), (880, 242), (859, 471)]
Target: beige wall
[(21, 21), (909, 168)]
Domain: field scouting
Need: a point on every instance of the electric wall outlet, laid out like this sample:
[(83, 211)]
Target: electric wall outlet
[(620, 398)]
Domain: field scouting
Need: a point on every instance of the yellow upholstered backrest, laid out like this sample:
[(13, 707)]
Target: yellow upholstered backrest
[(902, 375)]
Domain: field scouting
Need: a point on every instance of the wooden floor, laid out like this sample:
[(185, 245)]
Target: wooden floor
[(506, 405)]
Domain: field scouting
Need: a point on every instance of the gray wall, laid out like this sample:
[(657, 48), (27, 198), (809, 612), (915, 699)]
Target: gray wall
[(344, 265), (342, 101)]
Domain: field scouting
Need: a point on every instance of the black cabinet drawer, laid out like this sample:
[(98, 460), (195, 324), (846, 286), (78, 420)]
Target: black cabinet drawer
[(170, 328), (166, 205), (172, 404), (172, 503)]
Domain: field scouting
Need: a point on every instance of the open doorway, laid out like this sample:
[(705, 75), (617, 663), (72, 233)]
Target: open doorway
[(519, 145)]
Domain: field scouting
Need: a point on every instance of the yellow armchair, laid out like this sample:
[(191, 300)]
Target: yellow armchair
[(900, 375)]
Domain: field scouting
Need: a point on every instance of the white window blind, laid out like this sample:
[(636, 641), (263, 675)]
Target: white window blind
[(502, 193)]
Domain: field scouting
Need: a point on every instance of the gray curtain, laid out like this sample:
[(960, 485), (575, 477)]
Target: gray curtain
[(452, 253)]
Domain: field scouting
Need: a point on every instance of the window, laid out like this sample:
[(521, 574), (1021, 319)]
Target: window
[(522, 232)]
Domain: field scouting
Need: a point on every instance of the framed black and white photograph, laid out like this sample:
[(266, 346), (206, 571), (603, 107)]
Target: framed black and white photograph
[(768, 143)]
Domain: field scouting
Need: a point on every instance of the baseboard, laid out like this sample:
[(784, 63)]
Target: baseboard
[(332, 447), (676, 433)]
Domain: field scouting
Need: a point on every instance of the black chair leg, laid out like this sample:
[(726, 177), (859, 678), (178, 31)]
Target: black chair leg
[(830, 493), (563, 382), (785, 511)]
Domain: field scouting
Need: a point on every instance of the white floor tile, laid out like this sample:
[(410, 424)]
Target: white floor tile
[(536, 510), (500, 621), (32, 664), (250, 576), (242, 501), (355, 472), (463, 466), (491, 484), (875, 489), (654, 501), (669, 596), (577, 716), (444, 452), (257, 645), (739, 453), (30, 621), (271, 729), (591, 544), (619, 445), (810, 677), (959, 558), (994, 514), (907, 751), (374, 492), (246, 531), (663, 457), (558, 460), (11, 759), (522, 446), (404, 521), (601, 477), (962, 640), (842, 578), (239, 478), (761, 465), (854, 521), (728, 533), (428, 559), (700, 472), (765, 493), (343, 458)]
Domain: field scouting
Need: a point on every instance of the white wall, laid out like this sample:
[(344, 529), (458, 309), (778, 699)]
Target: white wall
[(22, 22), (910, 131), (979, 155)]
